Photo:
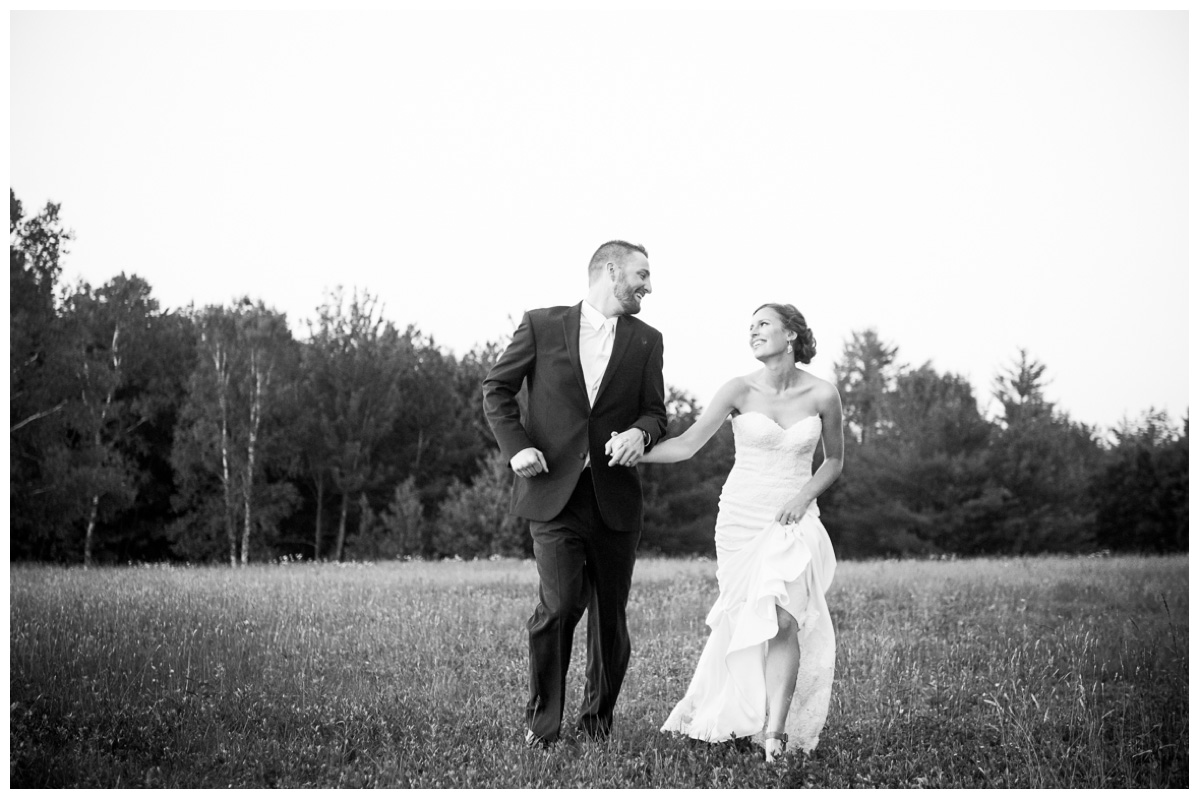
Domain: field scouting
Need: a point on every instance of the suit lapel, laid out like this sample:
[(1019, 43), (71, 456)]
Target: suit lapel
[(620, 344), (571, 336)]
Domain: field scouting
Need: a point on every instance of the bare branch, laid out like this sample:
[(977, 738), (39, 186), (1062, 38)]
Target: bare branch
[(36, 417)]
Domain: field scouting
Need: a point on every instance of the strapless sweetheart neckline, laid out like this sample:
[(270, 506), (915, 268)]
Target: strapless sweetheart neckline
[(777, 425)]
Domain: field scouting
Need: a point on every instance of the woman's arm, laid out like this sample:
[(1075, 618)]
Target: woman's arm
[(685, 445), (834, 442)]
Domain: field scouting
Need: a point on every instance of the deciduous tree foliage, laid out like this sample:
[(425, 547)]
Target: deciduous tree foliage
[(153, 392), (354, 364), (95, 384), (43, 507), (109, 347), (232, 452), (680, 500)]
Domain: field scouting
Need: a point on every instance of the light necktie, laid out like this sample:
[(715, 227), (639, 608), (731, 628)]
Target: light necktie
[(603, 352)]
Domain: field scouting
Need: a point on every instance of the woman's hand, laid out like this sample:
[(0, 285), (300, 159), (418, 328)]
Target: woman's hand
[(793, 510), (625, 449)]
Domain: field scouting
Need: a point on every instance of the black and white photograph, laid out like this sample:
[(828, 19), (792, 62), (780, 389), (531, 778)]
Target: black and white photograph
[(599, 396)]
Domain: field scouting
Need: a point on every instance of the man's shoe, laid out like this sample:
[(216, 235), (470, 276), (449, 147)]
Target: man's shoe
[(535, 742)]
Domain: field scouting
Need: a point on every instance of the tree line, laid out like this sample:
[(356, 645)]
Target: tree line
[(927, 473), (215, 434)]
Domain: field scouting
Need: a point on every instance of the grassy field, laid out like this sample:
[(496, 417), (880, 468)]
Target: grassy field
[(1040, 672)]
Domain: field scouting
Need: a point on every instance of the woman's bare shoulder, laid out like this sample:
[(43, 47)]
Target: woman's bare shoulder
[(822, 390), (734, 391)]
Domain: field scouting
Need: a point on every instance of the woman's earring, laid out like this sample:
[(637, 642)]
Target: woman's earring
[(789, 347)]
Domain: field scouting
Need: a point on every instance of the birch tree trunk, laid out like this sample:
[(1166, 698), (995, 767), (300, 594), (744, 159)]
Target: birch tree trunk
[(320, 513), (262, 378), (221, 367), (94, 510), (341, 536), (416, 467)]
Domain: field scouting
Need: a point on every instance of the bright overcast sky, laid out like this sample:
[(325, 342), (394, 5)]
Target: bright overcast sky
[(965, 183)]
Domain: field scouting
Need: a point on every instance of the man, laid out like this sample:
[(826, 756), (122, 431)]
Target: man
[(595, 404)]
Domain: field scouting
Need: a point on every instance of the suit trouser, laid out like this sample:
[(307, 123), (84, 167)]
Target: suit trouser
[(582, 564)]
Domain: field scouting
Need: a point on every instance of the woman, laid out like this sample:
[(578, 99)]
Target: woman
[(768, 662)]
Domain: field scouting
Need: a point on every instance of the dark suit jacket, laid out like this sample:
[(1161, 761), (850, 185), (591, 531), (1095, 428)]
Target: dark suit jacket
[(544, 354)]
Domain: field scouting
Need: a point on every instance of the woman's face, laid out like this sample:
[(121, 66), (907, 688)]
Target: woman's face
[(768, 336)]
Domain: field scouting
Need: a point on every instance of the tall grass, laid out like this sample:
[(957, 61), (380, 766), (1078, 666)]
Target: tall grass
[(1016, 673)]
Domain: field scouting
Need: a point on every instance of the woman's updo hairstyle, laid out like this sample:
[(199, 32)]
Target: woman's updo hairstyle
[(804, 347)]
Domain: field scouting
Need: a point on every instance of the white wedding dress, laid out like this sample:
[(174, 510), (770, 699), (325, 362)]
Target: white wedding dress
[(762, 564)]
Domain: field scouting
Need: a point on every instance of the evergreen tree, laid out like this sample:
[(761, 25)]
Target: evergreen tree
[(1041, 463), (865, 376), (1141, 492), (400, 530), (473, 521)]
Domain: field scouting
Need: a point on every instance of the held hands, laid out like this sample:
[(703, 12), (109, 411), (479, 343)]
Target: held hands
[(625, 448), (529, 462), (793, 511)]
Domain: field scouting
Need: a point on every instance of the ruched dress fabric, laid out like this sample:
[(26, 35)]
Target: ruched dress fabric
[(762, 564)]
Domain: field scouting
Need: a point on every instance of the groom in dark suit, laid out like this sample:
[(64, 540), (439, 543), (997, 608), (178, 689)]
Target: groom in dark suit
[(595, 404)]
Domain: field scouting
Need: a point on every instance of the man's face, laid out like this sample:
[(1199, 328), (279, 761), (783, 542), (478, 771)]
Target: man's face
[(631, 282)]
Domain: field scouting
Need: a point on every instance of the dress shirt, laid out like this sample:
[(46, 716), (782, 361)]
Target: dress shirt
[(596, 334)]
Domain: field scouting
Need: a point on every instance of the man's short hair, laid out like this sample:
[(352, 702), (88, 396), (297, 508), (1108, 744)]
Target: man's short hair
[(615, 251)]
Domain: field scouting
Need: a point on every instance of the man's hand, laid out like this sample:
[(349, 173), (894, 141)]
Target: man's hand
[(529, 462), (625, 448)]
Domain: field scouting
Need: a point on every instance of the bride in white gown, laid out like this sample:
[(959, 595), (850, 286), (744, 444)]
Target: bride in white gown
[(767, 667)]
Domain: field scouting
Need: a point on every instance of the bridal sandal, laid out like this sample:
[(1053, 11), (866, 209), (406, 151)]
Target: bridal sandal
[(774, 751)]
